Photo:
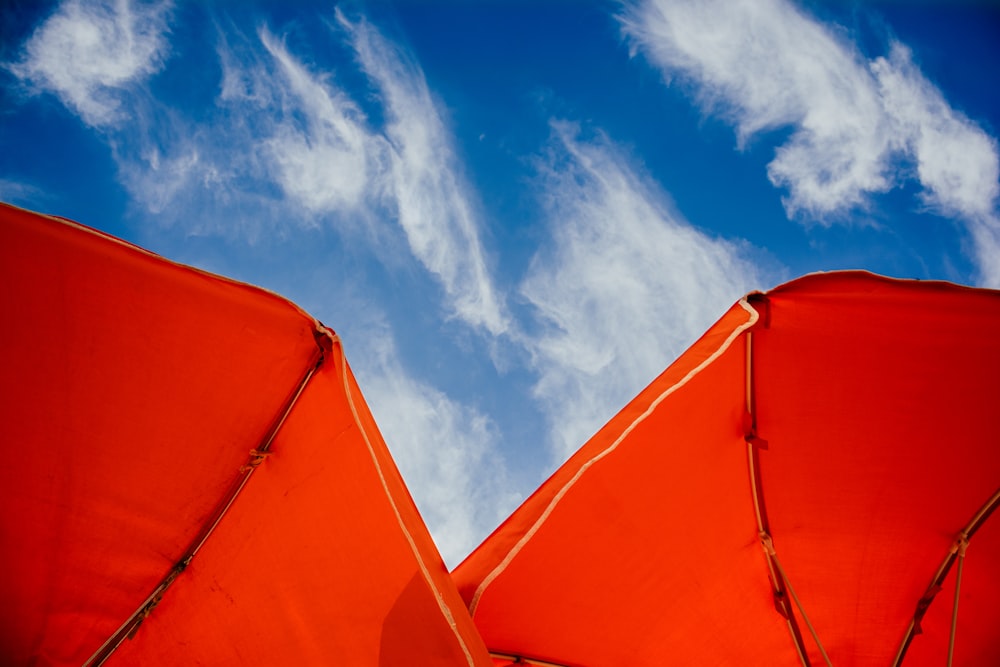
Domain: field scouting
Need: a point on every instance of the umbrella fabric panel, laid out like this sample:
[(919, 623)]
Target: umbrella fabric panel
[(651, 553), (470, 574), (877, 399), (132, 391), (867, 448), (322, 558)]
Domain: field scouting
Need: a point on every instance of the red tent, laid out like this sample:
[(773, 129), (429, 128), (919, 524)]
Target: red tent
[(191, 476)]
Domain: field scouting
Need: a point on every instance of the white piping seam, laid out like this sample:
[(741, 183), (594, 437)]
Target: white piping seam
[(498, 570), (445, 610), (749, 373)]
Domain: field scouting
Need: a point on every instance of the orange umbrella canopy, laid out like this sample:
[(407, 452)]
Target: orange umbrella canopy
[(191, 476), (800, 486)]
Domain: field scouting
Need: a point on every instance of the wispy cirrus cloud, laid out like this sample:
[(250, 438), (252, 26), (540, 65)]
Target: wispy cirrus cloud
[(313, 142), (434, 205), (321, 151), (97, 58), (765, 65), (15, 192), (859, 127), (956, 161), (90, 53), (625, 286), (283, 148)]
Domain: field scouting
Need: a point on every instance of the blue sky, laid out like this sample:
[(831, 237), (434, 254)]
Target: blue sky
[(515, 214)]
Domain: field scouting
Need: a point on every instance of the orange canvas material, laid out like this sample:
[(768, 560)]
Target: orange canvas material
[(865, 408), (191, 476), (133, 393)]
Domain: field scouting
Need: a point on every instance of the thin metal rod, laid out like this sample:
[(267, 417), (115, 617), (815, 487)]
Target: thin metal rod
[(974, 524), (760, 512), (963, 544), (769, 547), (260, 451)]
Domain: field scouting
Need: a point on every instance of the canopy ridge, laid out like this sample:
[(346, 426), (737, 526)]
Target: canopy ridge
[(485, 582), (955, 552), (754, 444), (415, 550), (256, 456)]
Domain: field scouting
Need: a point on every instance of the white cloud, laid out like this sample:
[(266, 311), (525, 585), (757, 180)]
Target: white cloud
[(956, 159), (764, 65), (20, 193), (321, 149), (447, 452), (626, 286), (283, 148), (986, 249), (161, 178), (435, 207), (298, 130), (856, 125), (88, 53)]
